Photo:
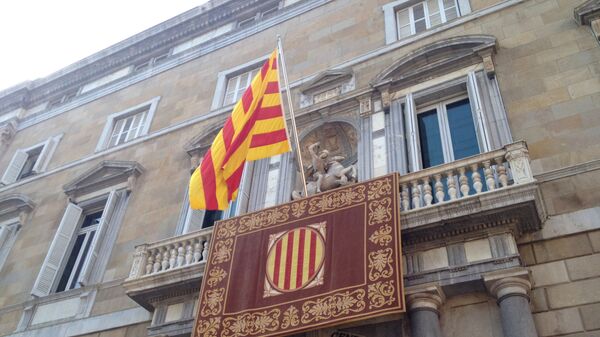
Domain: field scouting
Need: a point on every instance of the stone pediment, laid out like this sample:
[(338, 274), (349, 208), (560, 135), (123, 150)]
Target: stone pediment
[(327, 78), (13, 205), (439, 58), (201, 142), (107, 173), (587, 11)]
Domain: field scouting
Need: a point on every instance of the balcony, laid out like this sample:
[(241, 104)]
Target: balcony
[(492, 197)]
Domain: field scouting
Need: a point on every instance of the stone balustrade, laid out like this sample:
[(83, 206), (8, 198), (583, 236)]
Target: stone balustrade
[(170, 254), (459, 179)]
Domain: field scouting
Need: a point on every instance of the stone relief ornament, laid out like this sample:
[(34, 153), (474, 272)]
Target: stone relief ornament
[(325, 173)]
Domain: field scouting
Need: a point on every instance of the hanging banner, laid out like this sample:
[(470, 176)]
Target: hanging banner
[(316, 262)]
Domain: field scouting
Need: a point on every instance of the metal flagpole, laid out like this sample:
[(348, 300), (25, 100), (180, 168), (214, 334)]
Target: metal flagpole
[(291, 110)]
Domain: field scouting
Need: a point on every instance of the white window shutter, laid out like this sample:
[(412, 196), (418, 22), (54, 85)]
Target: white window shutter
[(107, 216), (4, 231), (57, 252), (39, 165), (478, 113), (194, 220), (14, 168)]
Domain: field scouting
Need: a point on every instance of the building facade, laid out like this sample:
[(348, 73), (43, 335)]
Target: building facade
[(489, 109)]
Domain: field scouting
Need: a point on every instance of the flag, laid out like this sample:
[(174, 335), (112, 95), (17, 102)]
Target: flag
[(255, 130)]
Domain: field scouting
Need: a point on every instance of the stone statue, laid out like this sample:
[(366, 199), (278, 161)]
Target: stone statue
[(325, 173)]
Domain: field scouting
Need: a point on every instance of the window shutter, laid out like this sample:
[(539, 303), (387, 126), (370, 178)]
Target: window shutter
[(478, 113), (40, 164), (195, 219), (4, 231), (58, 250), (107, 216), (412, 133), (397, 140), (14, 168)]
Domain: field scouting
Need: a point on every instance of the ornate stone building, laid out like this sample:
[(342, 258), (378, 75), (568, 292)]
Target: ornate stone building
[(488, 109)]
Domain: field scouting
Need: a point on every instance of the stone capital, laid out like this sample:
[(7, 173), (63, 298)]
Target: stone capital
[(425, 297), (514, 282)]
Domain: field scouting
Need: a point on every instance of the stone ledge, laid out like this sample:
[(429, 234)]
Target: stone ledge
[(149, 289)]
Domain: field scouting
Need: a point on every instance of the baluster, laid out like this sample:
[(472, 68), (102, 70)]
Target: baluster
[(189, 255), (427, 196), (439, 188), (173, 257), (463, 182), (489, 175), (180, 255), (502, 177), (197, 251), (165, 259), (205, 249), (451, 185), (157, 259), (150, 262), (476, 178), (416, 195), (404, 196)]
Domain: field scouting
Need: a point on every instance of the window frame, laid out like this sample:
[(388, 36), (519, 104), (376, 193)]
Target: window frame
[(48, 147), (442, 116), (390, 10), (224, 76), (149, 107)]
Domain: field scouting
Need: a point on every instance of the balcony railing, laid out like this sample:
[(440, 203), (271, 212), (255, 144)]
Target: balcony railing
[(170, 254), (464, 193), (475, 175)]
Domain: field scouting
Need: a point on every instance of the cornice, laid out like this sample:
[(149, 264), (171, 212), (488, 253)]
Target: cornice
[(161, 36)]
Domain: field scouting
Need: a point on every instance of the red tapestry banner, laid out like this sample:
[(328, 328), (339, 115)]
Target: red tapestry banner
[(320, 261)]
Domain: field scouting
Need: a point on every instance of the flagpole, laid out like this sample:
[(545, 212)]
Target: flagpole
[(291, 110)]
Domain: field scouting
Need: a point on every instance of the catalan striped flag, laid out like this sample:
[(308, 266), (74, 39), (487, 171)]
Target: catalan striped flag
[(255, 130)]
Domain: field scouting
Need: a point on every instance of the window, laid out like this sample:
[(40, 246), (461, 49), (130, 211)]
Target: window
[(8, 232), (73, 258), (380, 165), (237, 85), (127, 125), (127, 128), (272, 181), (447, 132), (402, 20), (31, 161), (79, 253), (424, 15)]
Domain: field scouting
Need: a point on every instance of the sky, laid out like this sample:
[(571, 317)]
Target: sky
[(39, 37)]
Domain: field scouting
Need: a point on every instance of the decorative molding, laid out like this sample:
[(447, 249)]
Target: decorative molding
[(105, 174), (568, 171), (587, 12), (452, 52), (505, 283), (15, 205), (425, 297), (295, 10)]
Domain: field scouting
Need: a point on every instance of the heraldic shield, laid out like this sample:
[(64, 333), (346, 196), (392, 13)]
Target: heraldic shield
[(320, 261)]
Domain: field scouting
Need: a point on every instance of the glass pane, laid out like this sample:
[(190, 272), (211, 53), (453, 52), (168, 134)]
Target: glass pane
[(431, 142), (82, 260), (92, 219), (435, 19), (403, 18), (404, 31), (420, 26), (62, 284), (210, 217), (433, 6), (418, 12), (462, 129), (451, 14)]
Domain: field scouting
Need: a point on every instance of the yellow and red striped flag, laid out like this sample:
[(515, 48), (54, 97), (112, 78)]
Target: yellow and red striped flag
[(255, 130)]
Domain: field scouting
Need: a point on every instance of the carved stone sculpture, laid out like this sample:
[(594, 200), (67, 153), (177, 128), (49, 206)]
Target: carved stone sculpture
[(325, 172)]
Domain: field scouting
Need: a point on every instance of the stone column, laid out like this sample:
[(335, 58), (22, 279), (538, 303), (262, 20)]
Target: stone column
[(423, 308), (512, 291)]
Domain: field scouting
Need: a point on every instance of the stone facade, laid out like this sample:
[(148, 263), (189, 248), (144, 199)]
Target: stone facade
[(504, 243)]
